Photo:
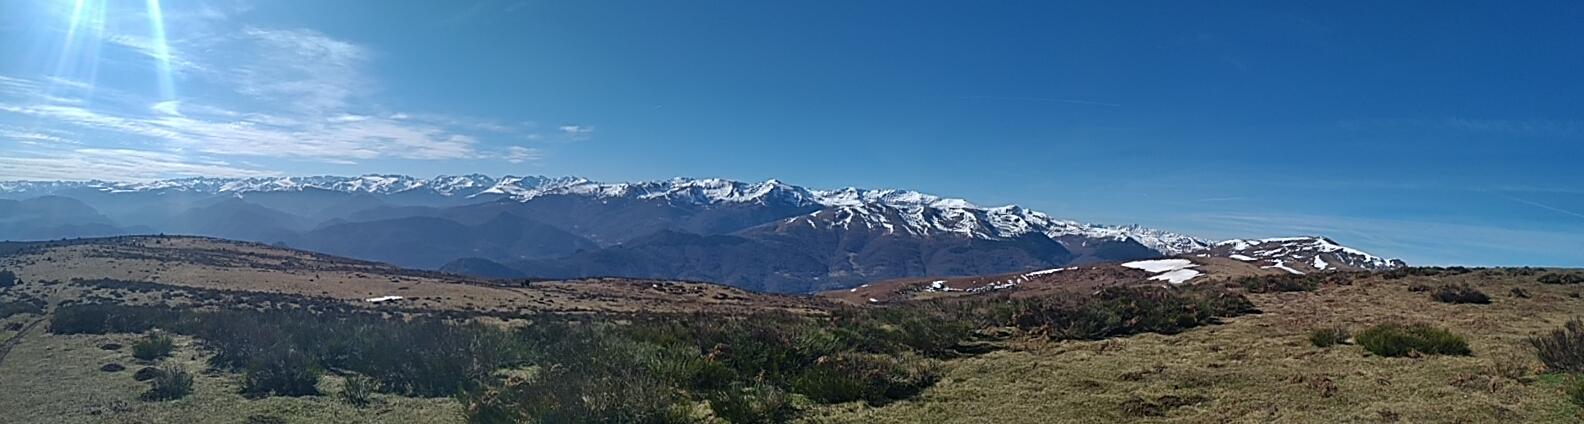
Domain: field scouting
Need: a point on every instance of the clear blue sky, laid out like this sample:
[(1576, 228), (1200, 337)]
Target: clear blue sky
[(1439, 132)]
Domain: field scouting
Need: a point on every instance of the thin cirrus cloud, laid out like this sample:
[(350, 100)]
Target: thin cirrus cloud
[(288, 94)]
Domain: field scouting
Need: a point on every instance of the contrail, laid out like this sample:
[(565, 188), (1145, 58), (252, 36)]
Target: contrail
[(1043, 99), (1545, 206)]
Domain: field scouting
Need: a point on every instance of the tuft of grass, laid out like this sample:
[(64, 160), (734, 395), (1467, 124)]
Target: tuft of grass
[(153, 346), (1327, 337), (1394, 340), (170, 383), (1562, 350), (1459, 293)]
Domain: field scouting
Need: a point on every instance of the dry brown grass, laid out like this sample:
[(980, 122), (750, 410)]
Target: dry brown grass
[(1261, 368), (221, 264)]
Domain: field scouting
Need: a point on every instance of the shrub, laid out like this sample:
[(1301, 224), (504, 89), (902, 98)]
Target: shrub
[(282, 371), (1280, 283), (1459, 294), (28, 306), (153, 346), (558, 395), (1418, 287), (1562, 278), (1562, 349), (8, 278), (759, 403), (1392, 340), (170, 383), (1519, 292), (1327, 337), (358, 390), (876, 379)]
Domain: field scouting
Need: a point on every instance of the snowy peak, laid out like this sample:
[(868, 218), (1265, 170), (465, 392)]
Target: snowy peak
[(891, 210), (1299, 255)]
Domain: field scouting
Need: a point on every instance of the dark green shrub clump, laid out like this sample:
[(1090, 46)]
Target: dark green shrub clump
[(153, 346), (1293, 282), (8, 279), (1562, 350), (282, 371), (169, 383), (759, 403), (359, 390), (26, 306), (1392, 340), (1327, 337), (1562, 278), (1459, 294)]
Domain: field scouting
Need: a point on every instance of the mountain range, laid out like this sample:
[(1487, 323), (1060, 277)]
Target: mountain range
[(768, 236)]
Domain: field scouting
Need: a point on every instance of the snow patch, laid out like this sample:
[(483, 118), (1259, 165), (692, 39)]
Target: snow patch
[(382, 299), (1159, 265)]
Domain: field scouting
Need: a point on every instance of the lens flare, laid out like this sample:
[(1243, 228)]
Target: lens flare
[(79, 54), (167, 86)]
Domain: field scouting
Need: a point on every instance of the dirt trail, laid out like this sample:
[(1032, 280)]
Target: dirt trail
[(5, 347)]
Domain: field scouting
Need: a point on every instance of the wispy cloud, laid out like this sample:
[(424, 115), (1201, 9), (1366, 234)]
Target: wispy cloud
[(256, 92), (577, 132), (117, 164), (519, 154)]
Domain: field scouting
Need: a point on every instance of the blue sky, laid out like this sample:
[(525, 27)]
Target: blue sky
[(1439, 132)]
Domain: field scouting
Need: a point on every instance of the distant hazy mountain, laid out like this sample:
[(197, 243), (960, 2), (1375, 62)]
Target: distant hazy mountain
[(766, 235)]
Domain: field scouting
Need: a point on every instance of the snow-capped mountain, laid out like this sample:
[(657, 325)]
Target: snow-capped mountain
[(1299, 255), (445, 185), (895, 210), (766, 235), (916, 213)]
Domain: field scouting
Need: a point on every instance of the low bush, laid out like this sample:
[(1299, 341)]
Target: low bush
[(1519, 292), (281, 371), (875, 379), (1459, 293), (1392, 340), (154, 345), (8, 279), (359, 390), (759, 403), (169, 383), (1562, 278), (1562, 350), (1280, 283), (1327, 337), (33, 306)]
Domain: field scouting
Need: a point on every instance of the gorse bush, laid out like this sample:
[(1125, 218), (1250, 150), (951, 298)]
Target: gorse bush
[(1120, 311), (156, 344), (759, 403), (1402, 340), (1327, 337), (1562, 278), (1562, 350), (1290, 282), (359, 390), (169, 383), (30, 305), (1459, 293), (283, 371)]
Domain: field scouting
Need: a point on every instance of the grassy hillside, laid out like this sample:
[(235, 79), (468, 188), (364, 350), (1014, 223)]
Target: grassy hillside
[(1234, 349)]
